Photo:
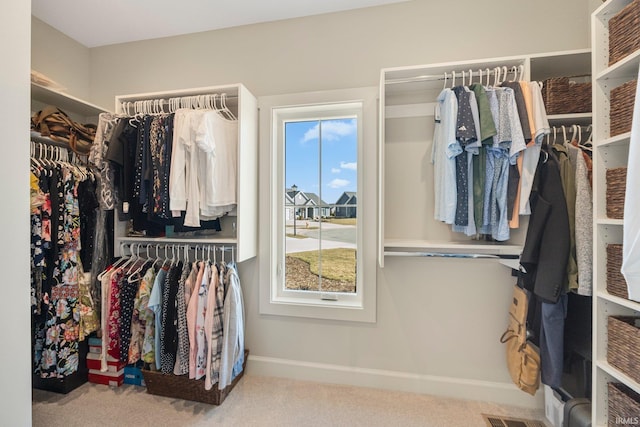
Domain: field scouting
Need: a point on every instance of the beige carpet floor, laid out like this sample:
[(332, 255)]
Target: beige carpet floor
[(264, 401)]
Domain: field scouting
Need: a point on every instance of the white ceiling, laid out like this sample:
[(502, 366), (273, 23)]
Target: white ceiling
[(103, 22)]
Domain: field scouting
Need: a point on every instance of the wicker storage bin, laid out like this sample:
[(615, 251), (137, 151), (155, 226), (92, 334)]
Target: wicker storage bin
[(181, 387), (616, 285), (621, 102), (623, 345), (565, 95), (624, 404), (616, 185), (624, 37)]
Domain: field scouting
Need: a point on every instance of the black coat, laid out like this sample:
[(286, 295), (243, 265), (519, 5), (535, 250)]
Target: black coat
[(546, 249)]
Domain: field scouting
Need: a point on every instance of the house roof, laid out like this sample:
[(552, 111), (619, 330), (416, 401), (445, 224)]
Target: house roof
[(311, 198), (347, 196), (315, 199)]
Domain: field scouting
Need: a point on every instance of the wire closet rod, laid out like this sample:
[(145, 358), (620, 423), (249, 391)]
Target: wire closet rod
[(215, 101), (500, 71), (444, 255)]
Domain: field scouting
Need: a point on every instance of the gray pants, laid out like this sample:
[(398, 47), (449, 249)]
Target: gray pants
[(552, 341)]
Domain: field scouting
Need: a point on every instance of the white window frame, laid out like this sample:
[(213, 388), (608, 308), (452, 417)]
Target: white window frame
[(274, 112)]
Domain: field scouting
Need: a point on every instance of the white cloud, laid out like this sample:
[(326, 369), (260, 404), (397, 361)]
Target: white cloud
[(351, 165), (338, 183), (335, 170), (332, 130)]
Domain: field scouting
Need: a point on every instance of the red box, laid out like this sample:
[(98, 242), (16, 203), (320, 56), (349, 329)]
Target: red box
[(113, 365), (111, 379)]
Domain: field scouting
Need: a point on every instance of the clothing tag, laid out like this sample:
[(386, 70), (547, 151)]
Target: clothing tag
[(125, 207), (436, 113)]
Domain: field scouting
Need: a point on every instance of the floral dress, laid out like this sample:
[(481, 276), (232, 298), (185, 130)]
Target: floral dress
[(59, 357)]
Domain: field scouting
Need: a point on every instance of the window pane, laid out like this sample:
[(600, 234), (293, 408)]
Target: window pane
[(320, 205)]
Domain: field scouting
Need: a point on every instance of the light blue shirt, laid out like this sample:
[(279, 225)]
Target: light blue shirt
[(444, 150), (155, 305)]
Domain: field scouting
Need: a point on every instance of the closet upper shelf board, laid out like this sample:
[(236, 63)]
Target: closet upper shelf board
[(561, 64), (447, 247), (583, 119), (625, 68), (67, 103), (409, 83)]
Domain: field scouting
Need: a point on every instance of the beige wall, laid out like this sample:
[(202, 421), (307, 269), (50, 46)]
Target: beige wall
[(446, 326), (60, 58), (339, 50), (15, 332)]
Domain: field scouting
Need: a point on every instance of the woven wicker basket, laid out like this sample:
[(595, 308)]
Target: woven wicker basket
[(621, 107), (623, 345), (181, 387), (616, 185), (564, 95), (624, 404), (616, 285), (624, 37)]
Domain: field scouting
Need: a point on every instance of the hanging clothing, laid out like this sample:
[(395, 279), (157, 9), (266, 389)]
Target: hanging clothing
[(182, 354), (584, 227), (546, 250), (444, 151), (232, 356)]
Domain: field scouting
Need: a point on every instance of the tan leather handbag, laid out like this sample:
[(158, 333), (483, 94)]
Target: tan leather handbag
[(523, 358), (54, 123)]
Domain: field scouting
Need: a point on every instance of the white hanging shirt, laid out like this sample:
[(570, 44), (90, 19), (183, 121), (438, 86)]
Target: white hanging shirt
[(631, 231)]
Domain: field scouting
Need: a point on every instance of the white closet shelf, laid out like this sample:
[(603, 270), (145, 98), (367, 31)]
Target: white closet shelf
[(65, 102), (562, 63), (573, 118), (627, 67), (617, 374), (407, 246), (633, 305), (621, 139), (610, 221), (180, 240)]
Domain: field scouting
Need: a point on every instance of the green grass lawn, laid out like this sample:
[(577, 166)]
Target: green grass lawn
[(297, 236), (337, 264), (342, 221)]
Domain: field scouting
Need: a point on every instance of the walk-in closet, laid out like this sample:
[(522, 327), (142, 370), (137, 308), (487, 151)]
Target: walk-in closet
[(380, 212)]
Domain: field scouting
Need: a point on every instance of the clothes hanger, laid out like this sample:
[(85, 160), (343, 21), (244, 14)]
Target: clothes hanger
[(135, 276), (470, 77), (463, 78), (453, 79), (521, 67), (116, 264), (444, 86), (224, 104)]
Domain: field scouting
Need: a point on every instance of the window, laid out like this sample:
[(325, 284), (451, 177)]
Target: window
[(318, 246), (321, 211)]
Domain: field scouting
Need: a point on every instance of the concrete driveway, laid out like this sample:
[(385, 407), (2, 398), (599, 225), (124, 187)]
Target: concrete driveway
[(333, 236)]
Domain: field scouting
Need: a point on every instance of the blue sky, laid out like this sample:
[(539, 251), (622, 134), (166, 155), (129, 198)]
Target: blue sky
[(339, 157)]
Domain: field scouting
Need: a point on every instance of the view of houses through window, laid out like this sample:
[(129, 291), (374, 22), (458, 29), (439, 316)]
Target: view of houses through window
[(320, 205)]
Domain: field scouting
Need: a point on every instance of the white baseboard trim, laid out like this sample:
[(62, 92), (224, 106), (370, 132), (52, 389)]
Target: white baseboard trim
[(488, 391)]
